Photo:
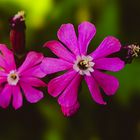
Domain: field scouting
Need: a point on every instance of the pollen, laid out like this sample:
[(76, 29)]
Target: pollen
[(13, 76), (83, 64)]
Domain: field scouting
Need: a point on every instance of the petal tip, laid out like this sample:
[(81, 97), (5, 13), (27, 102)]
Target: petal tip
[(51, 91), (48, 43), (89, 24), (69, 111), (16, 108)]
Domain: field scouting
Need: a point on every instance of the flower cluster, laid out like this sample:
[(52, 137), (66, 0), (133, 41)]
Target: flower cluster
[(16, 80)]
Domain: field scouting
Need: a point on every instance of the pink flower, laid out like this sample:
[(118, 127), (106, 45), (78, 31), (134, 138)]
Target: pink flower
[(13, 81), (79, 65)]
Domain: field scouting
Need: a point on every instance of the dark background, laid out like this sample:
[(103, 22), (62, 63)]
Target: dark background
[(120, 118)]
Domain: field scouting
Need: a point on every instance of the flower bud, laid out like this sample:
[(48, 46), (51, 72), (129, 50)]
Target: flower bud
[(128, 53), (17, 32)]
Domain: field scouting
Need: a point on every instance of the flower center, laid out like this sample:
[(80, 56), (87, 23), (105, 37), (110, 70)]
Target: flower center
[(13, 77), (84, 65)]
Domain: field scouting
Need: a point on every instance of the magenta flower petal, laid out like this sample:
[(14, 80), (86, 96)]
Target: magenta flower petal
[(111, 64), (59, 50), (3, 73), (58, 84), (17, 97), (67, 35), (3, 63), (31, 60), (52, 65), (107, 82), (32, 95), (5, 96), (94, 90), (34, 71), (33, 81), (108, 46), (2, 79), (69, 96), (86, 32), (8, 57), (71, 110)]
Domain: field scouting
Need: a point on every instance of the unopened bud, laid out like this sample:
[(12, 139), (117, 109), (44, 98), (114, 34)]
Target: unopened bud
[(17, 32), (134, 50), (128, 53)]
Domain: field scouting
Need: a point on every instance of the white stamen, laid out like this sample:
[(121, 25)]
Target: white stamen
[(13, 77), (84, 65)]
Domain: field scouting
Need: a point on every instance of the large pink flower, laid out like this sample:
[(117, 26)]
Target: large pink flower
[(79, 65), (13, 81)]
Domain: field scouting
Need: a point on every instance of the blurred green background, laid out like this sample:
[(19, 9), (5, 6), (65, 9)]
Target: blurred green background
[(120, 118)]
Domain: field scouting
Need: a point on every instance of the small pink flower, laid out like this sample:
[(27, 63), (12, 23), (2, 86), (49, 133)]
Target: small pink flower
[(13, 81), (79, 65)]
